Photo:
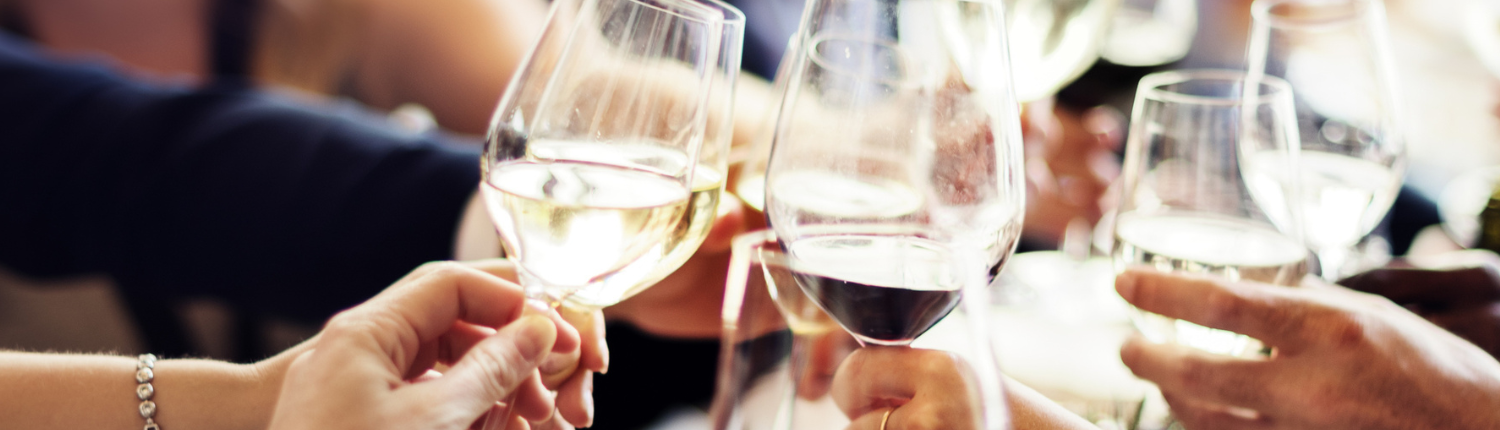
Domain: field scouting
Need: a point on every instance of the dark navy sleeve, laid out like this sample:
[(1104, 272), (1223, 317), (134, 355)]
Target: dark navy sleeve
[(222, 191)]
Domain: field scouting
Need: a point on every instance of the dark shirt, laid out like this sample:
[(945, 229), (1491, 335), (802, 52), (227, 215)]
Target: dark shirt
[(218, 191)]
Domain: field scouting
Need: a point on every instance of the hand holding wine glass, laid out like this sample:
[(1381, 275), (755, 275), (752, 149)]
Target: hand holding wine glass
[(1344, 360), (1197, 195), (591, 161)]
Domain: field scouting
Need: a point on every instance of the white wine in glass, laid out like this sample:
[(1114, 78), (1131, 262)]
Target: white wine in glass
[(709, 175), (1190, 202), (592, 161)]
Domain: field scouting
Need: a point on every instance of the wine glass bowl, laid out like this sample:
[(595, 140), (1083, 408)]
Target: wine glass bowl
[(592, 165), (1052, 42), (1336, 57), (1150, 32), (785, 365), (1205, 190), (895, 170)]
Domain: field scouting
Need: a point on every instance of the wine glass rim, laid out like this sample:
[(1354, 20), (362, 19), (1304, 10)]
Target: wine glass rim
[(1271, 87), (733, 17), (706, 18), (1345, 12)]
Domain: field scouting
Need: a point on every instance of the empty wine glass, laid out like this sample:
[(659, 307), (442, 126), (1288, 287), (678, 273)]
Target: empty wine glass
[(1205, 190), (895, 173), (593, 164), (1335, 54)]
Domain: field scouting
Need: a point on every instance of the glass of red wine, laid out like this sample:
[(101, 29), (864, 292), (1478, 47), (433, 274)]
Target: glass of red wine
[(895, 179)]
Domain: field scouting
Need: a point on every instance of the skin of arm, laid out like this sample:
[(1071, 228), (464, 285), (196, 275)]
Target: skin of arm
[(95, 391), (371, 367)]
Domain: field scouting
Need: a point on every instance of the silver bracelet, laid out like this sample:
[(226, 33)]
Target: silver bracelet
[(145, 372)]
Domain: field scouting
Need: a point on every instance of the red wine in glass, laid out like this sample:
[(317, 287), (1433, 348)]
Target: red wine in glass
[(885, 289)]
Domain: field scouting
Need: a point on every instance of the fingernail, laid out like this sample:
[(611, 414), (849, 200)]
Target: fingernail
[(538, 307), (531, 337), (1125, 285), (588, 399)]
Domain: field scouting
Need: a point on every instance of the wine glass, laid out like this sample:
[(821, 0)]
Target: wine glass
[(1205, 189), (711, 173), (590, 164), (1052, 42), (1336, 56), (895, 176), (1150, 32), (785, 364), (750, 180)]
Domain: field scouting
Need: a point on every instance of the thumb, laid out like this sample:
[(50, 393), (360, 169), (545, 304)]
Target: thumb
[(492, 369)]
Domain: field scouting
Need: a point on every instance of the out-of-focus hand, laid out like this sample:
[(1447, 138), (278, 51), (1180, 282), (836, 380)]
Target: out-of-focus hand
[(1070, 163), (921, 388), (372, 366), (1342, 360), (1458, 291), (931, 389)]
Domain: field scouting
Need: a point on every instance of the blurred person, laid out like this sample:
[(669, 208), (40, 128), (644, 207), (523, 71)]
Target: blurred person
[(271, 205), (455, 58), (452, 56), (1341, 360), (372, 367)]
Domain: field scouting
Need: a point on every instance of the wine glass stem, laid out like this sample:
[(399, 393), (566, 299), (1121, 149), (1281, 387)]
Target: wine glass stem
[(1331, 261)]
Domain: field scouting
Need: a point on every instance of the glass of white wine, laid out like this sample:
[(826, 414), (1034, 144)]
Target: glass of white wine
[(1193, 201), (711, 173), (1336, 56), (604, 160), (592, 156)]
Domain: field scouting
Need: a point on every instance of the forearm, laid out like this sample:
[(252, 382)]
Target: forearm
[(65, 392)]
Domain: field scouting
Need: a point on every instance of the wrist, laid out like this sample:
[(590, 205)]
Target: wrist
[(263, 382)]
